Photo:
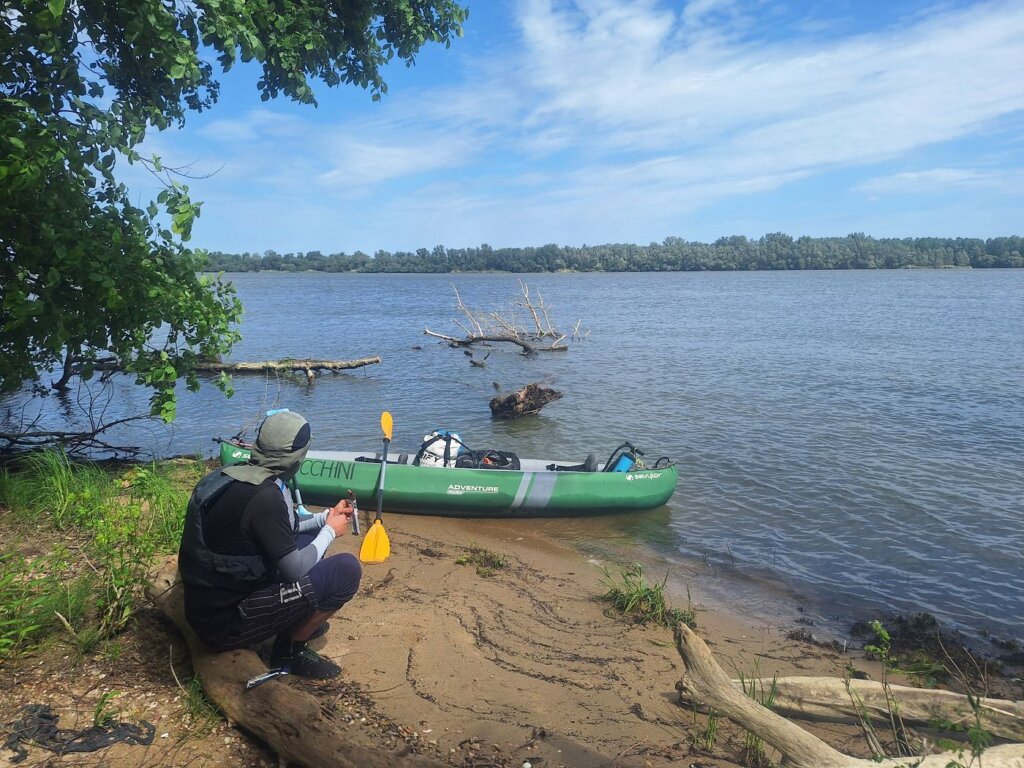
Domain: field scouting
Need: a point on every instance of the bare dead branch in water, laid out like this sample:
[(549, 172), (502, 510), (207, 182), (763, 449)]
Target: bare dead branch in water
[(481, 326)]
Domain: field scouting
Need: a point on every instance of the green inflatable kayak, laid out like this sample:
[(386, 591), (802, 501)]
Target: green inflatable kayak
[(493, 485)]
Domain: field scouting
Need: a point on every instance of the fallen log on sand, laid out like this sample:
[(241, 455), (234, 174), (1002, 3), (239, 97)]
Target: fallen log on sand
[(706, 683), (295, 724), (830, 699)]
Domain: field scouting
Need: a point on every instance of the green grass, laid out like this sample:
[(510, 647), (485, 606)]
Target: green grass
[(203, 714), (633, 597), (48, 485), (753, 746), (486, 562), (709, 735), (109, 523)]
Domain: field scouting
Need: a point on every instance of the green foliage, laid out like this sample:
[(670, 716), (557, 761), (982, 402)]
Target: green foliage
[(103, 714), (882, 645), (753, 746), (203, 713), (776, 251), (486, 562), (642, 602), (710, 734), (49, 482), (118, 523), (86, 273), (978, 738), (882, 649), (40, 596), (917, 665)]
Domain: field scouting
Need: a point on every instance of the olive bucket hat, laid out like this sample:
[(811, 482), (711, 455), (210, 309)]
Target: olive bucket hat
[(281, 446)]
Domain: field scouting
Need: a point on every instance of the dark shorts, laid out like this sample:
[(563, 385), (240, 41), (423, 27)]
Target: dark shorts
[(330, 584)]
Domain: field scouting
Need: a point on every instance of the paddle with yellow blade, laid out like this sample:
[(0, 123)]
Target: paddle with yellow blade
[(376, 546)]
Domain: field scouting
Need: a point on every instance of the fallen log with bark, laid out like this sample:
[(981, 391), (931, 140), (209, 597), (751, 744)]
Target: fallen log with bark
[(295, 724), (524, 402), (705, 683), (205, 365), (308, 367), (831, 699)]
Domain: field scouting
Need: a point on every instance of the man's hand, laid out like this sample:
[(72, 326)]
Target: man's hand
[(338, 517)]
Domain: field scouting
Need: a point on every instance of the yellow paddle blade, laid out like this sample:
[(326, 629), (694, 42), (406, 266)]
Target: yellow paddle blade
[(387, 424), (376, 546)]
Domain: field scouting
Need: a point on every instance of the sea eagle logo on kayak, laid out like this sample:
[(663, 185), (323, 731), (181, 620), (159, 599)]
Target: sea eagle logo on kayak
[(457, 490), (644, 476)]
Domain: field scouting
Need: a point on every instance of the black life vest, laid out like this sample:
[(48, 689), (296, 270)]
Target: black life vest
[(202, 567)]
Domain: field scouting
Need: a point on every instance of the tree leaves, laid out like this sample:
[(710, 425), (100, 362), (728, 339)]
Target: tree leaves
[(83, 271)]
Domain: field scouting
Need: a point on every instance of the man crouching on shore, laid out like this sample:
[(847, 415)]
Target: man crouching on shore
[(252, 568)]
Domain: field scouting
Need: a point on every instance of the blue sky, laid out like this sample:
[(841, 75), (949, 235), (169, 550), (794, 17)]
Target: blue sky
[(602, 121)]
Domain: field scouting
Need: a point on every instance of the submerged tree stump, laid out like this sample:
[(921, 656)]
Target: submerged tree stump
[(524, 402)]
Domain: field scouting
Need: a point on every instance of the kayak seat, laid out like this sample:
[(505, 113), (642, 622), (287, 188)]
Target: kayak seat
[(589, 465), (489, 459)]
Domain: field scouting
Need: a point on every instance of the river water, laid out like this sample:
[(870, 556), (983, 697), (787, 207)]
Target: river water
[(848, 441)]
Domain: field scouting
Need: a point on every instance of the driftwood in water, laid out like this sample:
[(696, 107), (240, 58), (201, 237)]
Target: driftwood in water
[(305, 366), (846, 701), (524, 402), (295, 724), (494, 326), (527, 346), (705, 682)]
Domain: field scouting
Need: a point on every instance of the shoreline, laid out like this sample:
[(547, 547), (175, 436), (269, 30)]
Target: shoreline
[(522, 664), (532, 650), (724, 589)]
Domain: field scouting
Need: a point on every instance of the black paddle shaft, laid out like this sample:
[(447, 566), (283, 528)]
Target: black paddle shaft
[(383, 471)]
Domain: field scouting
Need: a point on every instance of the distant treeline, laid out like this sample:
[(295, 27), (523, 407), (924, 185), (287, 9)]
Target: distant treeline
[(775, 251)]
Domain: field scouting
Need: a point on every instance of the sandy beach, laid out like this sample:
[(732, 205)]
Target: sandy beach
[(527, 664), (522, 664)]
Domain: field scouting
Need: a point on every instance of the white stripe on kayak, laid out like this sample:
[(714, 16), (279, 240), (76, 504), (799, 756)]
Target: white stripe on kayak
[(524, 486), (534, 490)]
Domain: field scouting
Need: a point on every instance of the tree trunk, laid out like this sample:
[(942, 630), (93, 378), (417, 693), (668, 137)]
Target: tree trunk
[(705, 682), (305, 366), (829, 699), (296, 725)]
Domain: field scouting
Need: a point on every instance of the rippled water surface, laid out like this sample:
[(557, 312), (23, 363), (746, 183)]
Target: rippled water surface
[(855, 436)]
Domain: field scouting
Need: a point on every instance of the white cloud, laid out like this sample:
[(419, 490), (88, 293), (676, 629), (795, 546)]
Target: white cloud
[(940, 180), (254, 125), (618, 116), (357, 161), (849, 100)]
